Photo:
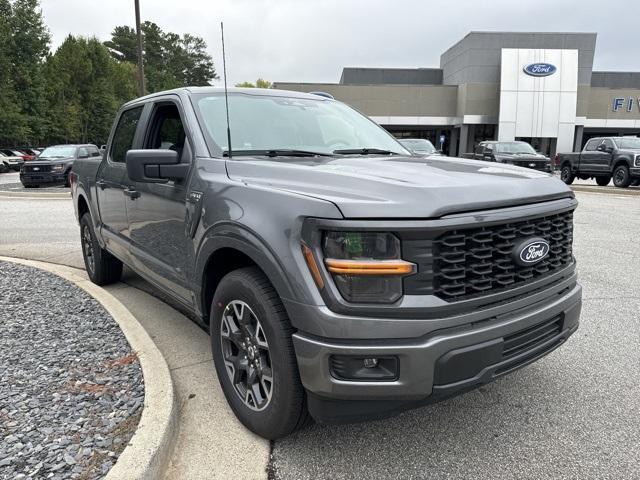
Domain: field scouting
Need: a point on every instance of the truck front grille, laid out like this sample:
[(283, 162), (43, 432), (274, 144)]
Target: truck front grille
[(37, 168), (474, 262)]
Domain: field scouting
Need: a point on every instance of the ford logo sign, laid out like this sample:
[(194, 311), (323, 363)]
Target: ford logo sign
[(540, 69), (530, 251)]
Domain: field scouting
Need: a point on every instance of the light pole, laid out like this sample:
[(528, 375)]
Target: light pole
[(140, 58)]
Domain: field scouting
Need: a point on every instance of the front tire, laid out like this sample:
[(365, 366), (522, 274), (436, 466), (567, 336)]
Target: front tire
[(102, 267), (566, 175), (621, 176), (254, 356), (603, 181)]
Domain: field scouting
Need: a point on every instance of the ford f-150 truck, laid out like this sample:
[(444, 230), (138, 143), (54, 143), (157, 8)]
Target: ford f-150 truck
[(603, 158), (54, 165), (339, 276), (517, 153)]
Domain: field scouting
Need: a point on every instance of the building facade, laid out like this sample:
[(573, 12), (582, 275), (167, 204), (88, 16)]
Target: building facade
[(537, 87)]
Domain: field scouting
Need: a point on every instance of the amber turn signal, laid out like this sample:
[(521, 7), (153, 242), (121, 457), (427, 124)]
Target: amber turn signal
[(369, 267), (313, 266)]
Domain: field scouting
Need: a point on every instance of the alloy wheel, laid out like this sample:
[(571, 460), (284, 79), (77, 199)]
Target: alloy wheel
[(246, 355), (87, 246)]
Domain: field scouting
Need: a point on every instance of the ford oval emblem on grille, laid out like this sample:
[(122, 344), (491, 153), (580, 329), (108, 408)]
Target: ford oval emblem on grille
[(530, 251), (540, 69)]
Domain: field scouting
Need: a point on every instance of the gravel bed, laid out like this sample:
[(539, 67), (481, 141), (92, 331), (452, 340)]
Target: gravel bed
[(71, 389), (18, 187)]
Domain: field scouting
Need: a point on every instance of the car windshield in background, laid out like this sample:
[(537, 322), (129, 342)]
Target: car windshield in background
[(632, 143), (419, 145), (273, 125), (514, 147), (58, 152)]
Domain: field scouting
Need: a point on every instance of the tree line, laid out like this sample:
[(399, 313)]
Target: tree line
[(72, 94)]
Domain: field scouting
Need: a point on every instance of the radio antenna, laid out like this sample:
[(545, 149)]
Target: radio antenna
[(226, 96)]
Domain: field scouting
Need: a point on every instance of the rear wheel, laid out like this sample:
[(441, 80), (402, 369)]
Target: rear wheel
[(566, 175), (603, 181), (621, 176), (102, 267), (253, 355)]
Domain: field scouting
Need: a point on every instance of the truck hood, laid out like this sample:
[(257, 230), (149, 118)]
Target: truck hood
[(527, 157), (401, 187), (51, 161)]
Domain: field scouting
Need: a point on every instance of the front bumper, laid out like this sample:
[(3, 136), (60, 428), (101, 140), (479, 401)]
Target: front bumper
[(42, 178), (438, 365), (634, 171)]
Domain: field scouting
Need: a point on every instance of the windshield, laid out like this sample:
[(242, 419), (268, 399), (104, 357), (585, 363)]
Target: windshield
[(631, 143), (59, 151), (514, 147), (418, 145), (274, 123)]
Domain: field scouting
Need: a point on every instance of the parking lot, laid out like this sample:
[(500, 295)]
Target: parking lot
[(574, 414)]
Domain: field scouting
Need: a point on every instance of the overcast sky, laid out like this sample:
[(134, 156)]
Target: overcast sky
[(311, 40)]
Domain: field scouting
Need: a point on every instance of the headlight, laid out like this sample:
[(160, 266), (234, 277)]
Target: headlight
[(366, 266), (57, 168), (637, 161)]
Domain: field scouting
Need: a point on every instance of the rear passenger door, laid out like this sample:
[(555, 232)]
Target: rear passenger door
[(589, 155), (161, 247), (111, 182)]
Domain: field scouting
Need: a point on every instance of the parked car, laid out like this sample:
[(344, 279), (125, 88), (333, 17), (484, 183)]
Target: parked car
[(54, 164), (419, 146), (603, 158), (33, 153), (516, 153), (338, 275), (11, 162), (14, 152)]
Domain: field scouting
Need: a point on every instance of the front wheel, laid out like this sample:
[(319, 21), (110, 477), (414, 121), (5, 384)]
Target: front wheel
[(621, 176), (603, 181), (254, 356), (102, 267), (566, 175)]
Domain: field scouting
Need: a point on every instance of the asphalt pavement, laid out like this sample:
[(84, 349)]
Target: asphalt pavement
[(574, 414)]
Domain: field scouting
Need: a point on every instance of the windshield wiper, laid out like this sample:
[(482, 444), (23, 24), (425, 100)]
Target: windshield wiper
[(365, 151), (278, 152)]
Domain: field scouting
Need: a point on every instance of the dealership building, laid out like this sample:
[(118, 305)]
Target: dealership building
[(536, 87)]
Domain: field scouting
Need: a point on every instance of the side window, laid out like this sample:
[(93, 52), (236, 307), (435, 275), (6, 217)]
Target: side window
[(123, 136), (592, 144), (83, 153), (167, 131), (94, 152), (480, 148), (608, 143)]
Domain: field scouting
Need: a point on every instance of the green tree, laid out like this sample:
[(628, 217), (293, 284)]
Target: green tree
[(260, 83), (13, 124), (170, 60), (85, 87), (28, 48)]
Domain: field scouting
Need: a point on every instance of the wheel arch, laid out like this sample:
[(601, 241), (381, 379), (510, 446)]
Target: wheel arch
[(223, 252), (622, 161)]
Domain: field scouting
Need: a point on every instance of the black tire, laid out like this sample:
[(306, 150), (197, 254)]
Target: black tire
[(621, 176), (102, 267), (283, 409), (603, 181), (566, 175)]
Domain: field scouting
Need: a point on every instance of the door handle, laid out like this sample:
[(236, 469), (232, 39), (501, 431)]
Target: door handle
[(131, 193), (102, 184)]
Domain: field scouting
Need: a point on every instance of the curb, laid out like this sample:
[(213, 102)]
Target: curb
[(149, 451), (31, 195)]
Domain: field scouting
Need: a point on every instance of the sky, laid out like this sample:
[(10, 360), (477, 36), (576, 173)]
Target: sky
[(312, 40)]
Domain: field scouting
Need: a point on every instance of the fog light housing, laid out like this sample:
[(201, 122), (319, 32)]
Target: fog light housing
[(360, 368)]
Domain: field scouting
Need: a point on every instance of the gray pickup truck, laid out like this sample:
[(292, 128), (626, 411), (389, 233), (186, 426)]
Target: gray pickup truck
[(54, 164), (340, 277), (603, 158)]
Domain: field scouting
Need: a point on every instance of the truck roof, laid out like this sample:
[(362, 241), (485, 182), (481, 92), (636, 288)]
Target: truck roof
[(248, 91)]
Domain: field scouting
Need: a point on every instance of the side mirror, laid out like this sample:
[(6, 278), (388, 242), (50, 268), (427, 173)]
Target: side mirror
[(155, 166)]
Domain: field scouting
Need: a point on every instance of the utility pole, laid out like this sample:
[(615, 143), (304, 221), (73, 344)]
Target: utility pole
[(140, 57)]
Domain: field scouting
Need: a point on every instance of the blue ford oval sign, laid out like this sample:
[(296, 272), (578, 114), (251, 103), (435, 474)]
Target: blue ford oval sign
[(530, 251), (540, 69)]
